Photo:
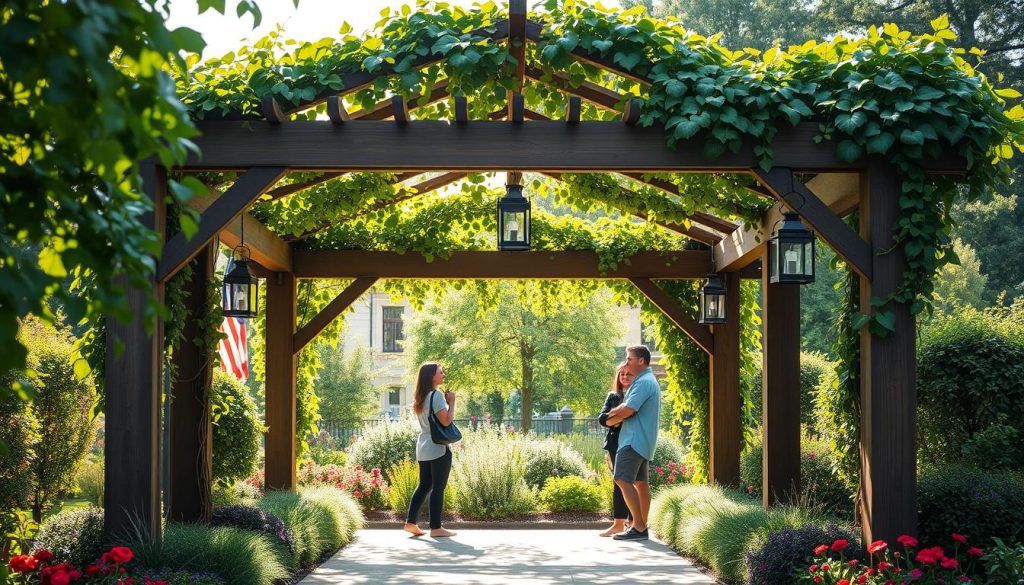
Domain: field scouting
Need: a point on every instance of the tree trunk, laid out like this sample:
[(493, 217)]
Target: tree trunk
[(526, 390)]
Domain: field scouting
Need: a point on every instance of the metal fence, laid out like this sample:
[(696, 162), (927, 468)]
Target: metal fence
[(346, 431)]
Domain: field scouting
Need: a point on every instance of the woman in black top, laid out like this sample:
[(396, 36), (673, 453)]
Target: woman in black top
[(622, 380)]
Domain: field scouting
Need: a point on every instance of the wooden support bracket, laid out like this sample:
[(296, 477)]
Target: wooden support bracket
[(631, 113), (272, 110), (461, 107), (572, 112), (700, 334), (400, 109), (336, 110), (516, 107), (322, 319)]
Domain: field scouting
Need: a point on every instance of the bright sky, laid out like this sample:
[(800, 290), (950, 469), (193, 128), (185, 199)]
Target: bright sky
[(311, 21)]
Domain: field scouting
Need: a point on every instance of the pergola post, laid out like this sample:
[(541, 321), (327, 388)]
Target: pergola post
[(191, 424), (780, 390), (888, 394), (280, 382), (133, 376), (724, 380)]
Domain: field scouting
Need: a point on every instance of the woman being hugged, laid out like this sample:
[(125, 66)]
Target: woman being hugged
[(435, 460), (620, 513)]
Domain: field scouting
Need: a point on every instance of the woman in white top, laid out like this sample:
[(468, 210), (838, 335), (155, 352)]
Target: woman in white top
[(435, 460)]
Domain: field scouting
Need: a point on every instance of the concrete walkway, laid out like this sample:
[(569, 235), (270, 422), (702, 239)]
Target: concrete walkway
[(516, 557)]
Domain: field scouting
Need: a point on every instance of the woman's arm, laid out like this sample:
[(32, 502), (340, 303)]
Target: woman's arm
[(609, 403), (446, 415)]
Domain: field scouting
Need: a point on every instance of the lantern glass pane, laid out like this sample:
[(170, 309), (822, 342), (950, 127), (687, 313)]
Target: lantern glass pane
[(809, 258), (773, 259), (792, 258), (515, 226), (240, 297)]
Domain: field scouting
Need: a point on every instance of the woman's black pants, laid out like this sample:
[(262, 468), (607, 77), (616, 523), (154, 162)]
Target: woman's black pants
[(433, 479)]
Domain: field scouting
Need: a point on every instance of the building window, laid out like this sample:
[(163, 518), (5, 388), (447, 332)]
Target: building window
[(648, 338), (393, 329), (395, 402)]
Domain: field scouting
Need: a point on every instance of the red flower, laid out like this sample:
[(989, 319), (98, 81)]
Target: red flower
[(907, 541), (862, 579), (930, 556), (916, 573), (813, 568), (975, 552), (357, 494), (359, 467), (43, 556), (824, 568), (93, 569), (959, 538), (839, 545), (820, 549), (375, 471), (948, 563), (877, 546), (843, 582), (119, 555), (23, 564), (818, 579), (852, 562), (883, 566)]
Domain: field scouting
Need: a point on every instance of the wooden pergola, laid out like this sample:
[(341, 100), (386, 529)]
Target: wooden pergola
[(384, 138)]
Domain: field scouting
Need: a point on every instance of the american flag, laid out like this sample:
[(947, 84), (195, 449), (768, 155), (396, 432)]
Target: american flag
[(234, 350)]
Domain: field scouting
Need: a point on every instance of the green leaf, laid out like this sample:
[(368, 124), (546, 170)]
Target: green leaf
[(247, 6), (880, 144), (909, 136), (188, 39), (51, 264), (848, 151), (628, 60), (850, 122), (940, 23), (217, 5), (675, 88), (602, 46), (887, 319)]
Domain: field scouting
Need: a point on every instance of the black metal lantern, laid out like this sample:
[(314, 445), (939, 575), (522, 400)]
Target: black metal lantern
[(514, 219), (712, 300), (241, 287), (791, 253)]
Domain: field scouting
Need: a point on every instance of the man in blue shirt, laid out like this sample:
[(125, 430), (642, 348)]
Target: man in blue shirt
[(638, 413)]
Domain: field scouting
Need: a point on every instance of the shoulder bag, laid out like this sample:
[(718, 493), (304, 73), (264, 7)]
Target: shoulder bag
[(440, 434)]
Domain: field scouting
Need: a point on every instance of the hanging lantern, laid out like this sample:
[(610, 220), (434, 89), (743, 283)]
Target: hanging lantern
[(712, 300), (791, 253), (241, 287), (513, 219)]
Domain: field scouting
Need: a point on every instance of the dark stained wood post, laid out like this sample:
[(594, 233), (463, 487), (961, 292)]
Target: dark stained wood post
[(780, 390), (131, 496), (280, 382), (724, 413), (888, 374), (191, 448)]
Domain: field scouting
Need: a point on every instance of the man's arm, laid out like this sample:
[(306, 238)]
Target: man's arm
[(619, 414)]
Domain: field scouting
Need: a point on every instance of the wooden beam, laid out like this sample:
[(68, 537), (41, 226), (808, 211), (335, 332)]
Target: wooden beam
[(383, 110), (191, 424), (268, 250), (888, 391), (280, 382), (632, 111), (534, 33), (179, 250), (336, 110), (399, 109), (517, 39), (425, 145), (700, 334), (724, 396), (780, 392), (685, 264), (287, 190), (461, 107), (322, 319), (829, 226), (133, 373), (572, 111), (272, 110), (353, 81), (712, 221), (598, 95), (516, 107), (839, 191), (535, 115)]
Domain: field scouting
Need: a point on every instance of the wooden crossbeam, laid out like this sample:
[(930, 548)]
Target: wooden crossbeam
[(322, 319), (700, 334), (461, 107), (336, 110), (399, 109), (684, 264), (179, 250), (712, 221), (534, 31), (573, 109), (517, 39), (439, 145), (592, 92), (829, 226), (516, 107), (382, 110), (535, 115), (287, 190), (631, 113), (268, 250), (272, 110)]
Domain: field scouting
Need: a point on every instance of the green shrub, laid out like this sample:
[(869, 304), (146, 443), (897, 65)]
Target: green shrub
[(321, 520), (781, 556), (487, 475), (980, 504), (550, 458), (237, 430), (241, 494), (18, 431), (1004, 564), (820, 486), (667, 450), (970, 376), (73, 536), (240, 557), (385, 445), (590, 447), (838, 429), (405, 477), (570, 494), (90, 482), (994, 448), (814, 367)]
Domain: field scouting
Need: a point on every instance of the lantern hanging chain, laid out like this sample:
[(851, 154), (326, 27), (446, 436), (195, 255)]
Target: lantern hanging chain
[(793, 191)]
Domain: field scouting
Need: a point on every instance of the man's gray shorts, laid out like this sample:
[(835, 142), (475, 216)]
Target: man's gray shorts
[(630, 466)]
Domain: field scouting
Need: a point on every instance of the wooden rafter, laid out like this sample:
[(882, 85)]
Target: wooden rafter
[(700, 334), (517, 39), (179, 249), (712, 221), (287, 190), (592, 92), (268, 250), (322, 319), (383, 110)]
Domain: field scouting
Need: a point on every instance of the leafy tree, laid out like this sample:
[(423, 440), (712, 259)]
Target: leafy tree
[(237, 430), (344, 386), (818, 303), (18, 431), (559, 355), (993, 228), (960, 285), (63, 409)]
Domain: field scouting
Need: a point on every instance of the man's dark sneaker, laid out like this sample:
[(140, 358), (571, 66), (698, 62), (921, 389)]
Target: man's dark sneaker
[(631, 534)]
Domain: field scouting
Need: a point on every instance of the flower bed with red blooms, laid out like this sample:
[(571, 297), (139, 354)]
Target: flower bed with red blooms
[(112, 569), (369, 489), (912, 565), (672, 474)]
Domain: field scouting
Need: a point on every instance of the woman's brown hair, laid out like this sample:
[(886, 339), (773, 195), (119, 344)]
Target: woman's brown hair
[(616, 385), (424, 385)]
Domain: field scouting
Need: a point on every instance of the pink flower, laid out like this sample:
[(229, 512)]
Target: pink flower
[(949, 563), (357, 494), (959, 538), (811, 456), (820, 549), (839, 545), (907, 541), (877, 546), (975, 552), (916, 573), (930, 556)]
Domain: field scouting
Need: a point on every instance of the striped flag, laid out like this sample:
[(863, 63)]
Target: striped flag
[(234, 351)]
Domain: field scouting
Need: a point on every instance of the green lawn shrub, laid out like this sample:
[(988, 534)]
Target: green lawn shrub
[(780, 557), (253, 518), (1004, 563), (321, 520), (237, 430), (571, 494), (820, 485), (73, 536), (488, 477), (90, 482), (980, 504), (405, 477), (385, 445), (544, 458), (814, 367)]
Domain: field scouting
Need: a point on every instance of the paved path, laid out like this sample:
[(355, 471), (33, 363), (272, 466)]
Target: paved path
[(516, 557)]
